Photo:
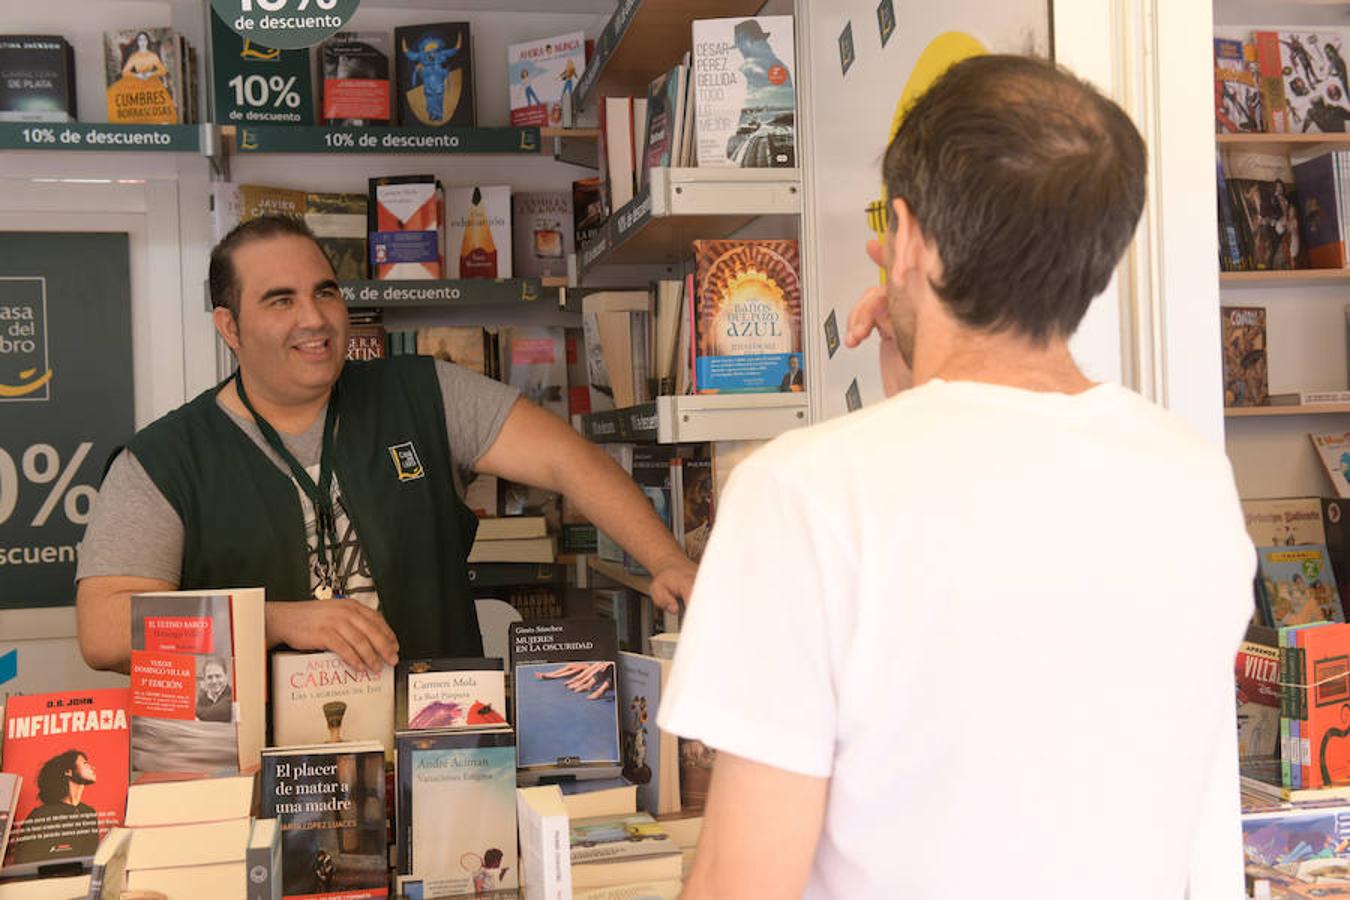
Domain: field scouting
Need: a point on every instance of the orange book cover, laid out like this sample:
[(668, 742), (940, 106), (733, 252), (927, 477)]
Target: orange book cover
[(1327, 729), (1271, 74)]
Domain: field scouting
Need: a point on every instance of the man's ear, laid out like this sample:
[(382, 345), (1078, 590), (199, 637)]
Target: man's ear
[(227, 326)]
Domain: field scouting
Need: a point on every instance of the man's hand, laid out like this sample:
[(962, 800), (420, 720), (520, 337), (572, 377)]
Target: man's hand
[(356, 633), (673, 584)]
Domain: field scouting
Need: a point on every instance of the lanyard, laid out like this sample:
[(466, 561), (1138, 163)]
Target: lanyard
[(321, 494)]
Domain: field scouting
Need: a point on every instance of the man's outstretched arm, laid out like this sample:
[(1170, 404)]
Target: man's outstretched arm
[(760, 831), (103, 618)]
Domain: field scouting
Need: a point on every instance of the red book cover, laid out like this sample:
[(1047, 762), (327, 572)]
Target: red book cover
[(1326, 730), (1257, 671), (1271, 73), (72, 751)]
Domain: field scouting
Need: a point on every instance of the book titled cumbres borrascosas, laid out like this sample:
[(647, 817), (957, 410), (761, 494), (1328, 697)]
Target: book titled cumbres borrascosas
[(749, 317), (744, 99)]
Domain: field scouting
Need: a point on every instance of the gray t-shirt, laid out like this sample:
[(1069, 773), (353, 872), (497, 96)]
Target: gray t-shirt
[(134, 531)]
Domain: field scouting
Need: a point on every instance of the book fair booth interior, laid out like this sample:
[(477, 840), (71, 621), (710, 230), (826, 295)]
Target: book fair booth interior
[(648, 217)]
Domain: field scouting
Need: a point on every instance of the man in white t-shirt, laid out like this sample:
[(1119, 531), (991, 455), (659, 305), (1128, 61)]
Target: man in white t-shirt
[(976, 640)]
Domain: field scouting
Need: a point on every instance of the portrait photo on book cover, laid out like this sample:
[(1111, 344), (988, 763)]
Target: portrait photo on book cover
[(61, 825), (567, 711)]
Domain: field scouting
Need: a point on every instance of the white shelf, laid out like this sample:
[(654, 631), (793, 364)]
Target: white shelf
[(729, 417)]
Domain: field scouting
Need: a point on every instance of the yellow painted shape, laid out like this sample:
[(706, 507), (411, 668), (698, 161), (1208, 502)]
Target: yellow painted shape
[(21, 390)]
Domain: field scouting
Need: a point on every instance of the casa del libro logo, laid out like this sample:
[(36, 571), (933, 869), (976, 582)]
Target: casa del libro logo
[(25, 368)]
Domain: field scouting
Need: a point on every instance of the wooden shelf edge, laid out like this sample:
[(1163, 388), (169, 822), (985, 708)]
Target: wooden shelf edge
[(1250, 412), (1285, 276), (616, 572)]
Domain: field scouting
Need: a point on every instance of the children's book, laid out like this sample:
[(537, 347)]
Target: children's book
[(1257, 674), (566, 698), (1237, 91), (541, 75), (1316, 90), (70, 751), (1301, 584), (456, 814)]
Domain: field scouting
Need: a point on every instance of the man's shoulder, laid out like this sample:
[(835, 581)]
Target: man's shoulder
[(172, 425)]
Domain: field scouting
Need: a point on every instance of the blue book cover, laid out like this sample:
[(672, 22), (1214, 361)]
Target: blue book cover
[(648, 753), (1298, 849), (1301, 584), (1319, 211)]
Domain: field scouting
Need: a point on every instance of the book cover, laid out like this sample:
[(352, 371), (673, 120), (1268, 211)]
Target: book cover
[(1265, 205), (1304, 520), (1319, 190), (744, 99), (406, 224), (338, 221), (608, 851), (588, 210), (257, 200), (246, 76), (197, 673), (108, 874), (1326, 717), (566, 703), (541, 75), (1270, 75), (456, 812), (578, 387), (1231, 258), (1245, 376), (1297, 849), (317, 698), (70, 750), (696, 765), (536, 363), (651, 473), (749, 317), (1237, 91), (1334, 452), (478, 231), (449, 693), (354, 67), (435, 75), (545, 856), (1316, 91), (1301, 584), (37, 78), (329, 803), (696, 502), (665, 112), (608, 549), (542, 233), (9, 802), (1257, 675), (650, 755), (144, 76)]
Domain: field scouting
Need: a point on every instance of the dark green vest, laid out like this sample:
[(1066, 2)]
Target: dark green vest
[(244, 525)]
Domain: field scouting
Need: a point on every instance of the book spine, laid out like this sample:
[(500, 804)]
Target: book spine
[(1286, 711), (264, 882), (1272, 81)]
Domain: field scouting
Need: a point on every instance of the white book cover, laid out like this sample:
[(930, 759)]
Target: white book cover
[(459, 698), (1334, 451), (541, 75), (478, 231), (744, 94), (1316, 89), (317, 698), (545, 851)]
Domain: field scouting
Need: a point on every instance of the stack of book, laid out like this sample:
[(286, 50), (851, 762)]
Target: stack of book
[(513, 539)]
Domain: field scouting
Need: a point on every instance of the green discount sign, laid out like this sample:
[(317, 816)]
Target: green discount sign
[(285, 24)]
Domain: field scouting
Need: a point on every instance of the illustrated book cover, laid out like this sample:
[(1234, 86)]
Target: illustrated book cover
[(748, 317), (449, 693), (144, 76), (1246, 381), (70, 751), (435, 75), (1334, 452), (1262, 192), (566, 698), (478, 231), (456, 814), (541, 75), (650, 755), (1237, 89), (1301, 583)]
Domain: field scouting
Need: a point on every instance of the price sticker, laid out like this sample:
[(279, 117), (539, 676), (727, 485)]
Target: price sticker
[(285, 24)]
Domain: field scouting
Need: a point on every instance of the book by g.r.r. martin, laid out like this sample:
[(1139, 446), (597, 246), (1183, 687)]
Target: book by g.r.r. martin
[(71, 750), (748, 317)]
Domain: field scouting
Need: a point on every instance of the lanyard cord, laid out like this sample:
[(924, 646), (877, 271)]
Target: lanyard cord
[(321, 494)]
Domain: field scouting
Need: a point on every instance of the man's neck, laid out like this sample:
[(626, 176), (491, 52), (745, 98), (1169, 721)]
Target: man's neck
[(294, 417), (953, 353)]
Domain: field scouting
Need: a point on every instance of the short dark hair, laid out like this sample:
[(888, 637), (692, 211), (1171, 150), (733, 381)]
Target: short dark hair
[(1028, 182), (222, 278), (53, 780)]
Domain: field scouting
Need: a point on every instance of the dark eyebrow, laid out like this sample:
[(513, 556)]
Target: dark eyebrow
[(326, 285), (284, 291)]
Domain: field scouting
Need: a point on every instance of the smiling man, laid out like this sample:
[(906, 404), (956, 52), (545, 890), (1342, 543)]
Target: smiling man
[(335, 485)]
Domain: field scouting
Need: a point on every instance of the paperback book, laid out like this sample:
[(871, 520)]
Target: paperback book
[(1245, 375), (354, 68), (145, 76), (70, 752), (317, 698), (329, 802), (435, 75), (748, 317), (541, 75), (651, 755), (1237, 91), (1257, 674), (1265, 205), (339, 225), (545, 857), (614, 850), (406, 224), (744, 96), (566, 699), (1301, 584), (197, 669), (1297, 849), (1316, 92), (37, 78), (542, 231), (456, 814), (449, 693), (478, 231), (665, 118), (1322, 185), (1334, 452), (536, 363)]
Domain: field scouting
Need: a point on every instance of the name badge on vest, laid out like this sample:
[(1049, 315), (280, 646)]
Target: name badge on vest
[(407, 465)]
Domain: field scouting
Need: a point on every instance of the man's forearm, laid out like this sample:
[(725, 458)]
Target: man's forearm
[(103, 618)]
